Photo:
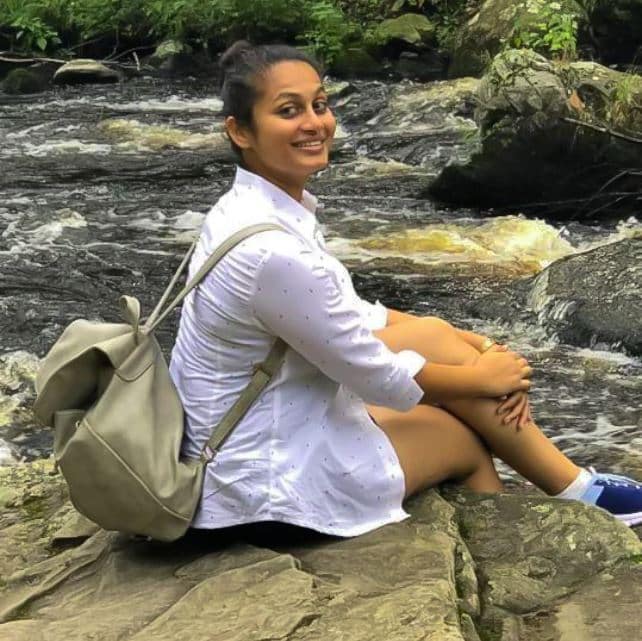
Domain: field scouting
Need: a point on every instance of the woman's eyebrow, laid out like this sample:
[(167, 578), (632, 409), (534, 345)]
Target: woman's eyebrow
[(293, 96)]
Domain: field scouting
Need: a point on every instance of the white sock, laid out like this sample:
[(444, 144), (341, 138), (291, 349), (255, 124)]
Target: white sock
[(577, 487)]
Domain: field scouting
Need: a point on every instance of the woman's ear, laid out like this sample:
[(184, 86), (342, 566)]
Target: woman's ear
[(237, 133)]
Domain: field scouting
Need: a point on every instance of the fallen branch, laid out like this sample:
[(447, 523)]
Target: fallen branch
[(3, 59), (603, 129)]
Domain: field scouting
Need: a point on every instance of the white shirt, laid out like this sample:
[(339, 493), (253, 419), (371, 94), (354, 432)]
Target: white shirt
[(307, 452)]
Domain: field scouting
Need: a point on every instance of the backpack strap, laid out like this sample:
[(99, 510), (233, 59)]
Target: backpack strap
[(156, 317), (263, 373)]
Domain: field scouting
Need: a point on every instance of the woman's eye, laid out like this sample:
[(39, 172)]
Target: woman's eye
[(321, 106), (288, 111)]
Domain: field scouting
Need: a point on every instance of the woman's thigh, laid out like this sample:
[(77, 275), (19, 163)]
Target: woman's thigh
[(433, 338), (432, 445)]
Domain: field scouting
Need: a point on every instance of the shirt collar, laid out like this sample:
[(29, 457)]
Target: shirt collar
[(298, 216)]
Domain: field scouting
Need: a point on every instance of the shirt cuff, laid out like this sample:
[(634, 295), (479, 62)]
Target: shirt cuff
[(411, 362)]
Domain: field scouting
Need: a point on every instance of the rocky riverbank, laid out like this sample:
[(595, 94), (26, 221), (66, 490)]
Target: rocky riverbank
[(464, 567)]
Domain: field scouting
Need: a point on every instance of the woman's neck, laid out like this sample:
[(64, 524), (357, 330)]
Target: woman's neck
[(290, 186)]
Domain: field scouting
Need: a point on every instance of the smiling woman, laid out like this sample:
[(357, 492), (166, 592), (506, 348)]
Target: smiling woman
[(369, 405), (288, 134)]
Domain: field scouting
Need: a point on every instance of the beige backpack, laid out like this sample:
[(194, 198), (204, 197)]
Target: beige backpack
[(105, 389)]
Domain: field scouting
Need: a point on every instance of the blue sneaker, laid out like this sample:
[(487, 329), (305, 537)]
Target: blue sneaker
[(619, 495)]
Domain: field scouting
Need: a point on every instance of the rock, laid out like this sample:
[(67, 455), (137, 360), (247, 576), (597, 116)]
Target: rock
[(411, 28), (591, 299), (355, 62), (173, 56), (144, 137), (551, 547), (594, 297), (457, 570), (423, 67), (582, 616), (85, 71), (529, 158), (490, 30), (23, 81)]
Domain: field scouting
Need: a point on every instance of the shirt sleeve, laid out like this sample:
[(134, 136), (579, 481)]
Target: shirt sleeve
[(299, 297), (374, 314)]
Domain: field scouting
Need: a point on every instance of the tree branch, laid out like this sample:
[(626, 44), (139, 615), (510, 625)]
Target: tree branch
[(603, 129)]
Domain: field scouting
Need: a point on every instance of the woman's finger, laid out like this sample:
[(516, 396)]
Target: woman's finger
[(516, 411), (524, 417), (510, 402)]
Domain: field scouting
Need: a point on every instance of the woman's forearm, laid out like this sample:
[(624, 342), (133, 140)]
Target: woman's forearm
[(448, 382)]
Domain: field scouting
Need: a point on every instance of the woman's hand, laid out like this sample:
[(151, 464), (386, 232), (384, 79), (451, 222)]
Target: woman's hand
[(515, 408), (502, 372)]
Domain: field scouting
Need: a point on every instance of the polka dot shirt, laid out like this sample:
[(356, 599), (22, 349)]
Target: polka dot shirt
[(307, 452)]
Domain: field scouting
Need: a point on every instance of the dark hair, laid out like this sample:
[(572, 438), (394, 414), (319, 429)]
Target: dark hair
[(241, 65)]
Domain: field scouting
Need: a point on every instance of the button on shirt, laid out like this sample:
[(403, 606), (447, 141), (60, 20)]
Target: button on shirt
[(307, 452)]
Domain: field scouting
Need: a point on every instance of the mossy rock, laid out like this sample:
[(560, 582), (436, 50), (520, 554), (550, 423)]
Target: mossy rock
[(23, 81), (536, 156), (411, 28), (356, 62)]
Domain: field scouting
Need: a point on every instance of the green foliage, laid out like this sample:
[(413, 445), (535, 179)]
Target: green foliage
[(26, 29), (328, 30), (449, 17), (321, 25), (364, 11), (625, 102), (548, 28)]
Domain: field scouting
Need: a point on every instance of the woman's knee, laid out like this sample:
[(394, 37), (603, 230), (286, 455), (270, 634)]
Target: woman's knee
[(438, 329)]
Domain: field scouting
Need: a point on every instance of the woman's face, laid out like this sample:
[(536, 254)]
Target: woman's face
[(293, 126)]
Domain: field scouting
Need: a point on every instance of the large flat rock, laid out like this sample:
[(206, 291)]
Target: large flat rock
[(457, 570)]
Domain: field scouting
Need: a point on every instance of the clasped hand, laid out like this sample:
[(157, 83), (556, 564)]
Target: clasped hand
[(506, 376)]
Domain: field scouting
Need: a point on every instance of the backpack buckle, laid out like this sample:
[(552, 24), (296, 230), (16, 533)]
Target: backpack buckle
[(208, 454)]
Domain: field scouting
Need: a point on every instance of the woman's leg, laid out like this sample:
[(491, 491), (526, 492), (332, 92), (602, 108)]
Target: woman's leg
[(527, 450), (434, 446)]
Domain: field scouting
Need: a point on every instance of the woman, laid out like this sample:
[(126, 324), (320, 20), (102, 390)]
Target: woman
[(370, 405)]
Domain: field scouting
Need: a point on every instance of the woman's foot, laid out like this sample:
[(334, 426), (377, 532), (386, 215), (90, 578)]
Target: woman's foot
[(619, 495)]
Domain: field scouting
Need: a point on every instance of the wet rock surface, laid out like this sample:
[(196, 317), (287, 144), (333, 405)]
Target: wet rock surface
[(605, 310), (453, 571)]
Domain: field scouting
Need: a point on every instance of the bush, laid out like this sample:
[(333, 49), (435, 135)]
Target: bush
[(38, 25), (548, 28)]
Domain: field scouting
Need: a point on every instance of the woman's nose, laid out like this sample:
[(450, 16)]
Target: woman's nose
[(312, 120)]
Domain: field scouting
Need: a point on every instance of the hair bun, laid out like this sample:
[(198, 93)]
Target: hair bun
[(233, 53)]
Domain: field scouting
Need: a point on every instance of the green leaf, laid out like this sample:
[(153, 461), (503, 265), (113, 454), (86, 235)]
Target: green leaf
[(42, 43)]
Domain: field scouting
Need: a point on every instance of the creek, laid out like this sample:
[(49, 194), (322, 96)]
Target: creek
[(104, 187)]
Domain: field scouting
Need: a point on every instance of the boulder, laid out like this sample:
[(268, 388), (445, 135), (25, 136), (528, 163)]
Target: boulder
[(175, 57), (85, 71), (490, 30), (589, 299), (410, 28), (594, 297), (23, 81), (458, 570), (530, 157), (356, 62)]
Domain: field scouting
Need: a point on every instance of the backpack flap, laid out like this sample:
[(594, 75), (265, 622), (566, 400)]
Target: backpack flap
[(81, 361)]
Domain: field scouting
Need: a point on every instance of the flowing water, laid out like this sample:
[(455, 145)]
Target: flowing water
[(103, 188)]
